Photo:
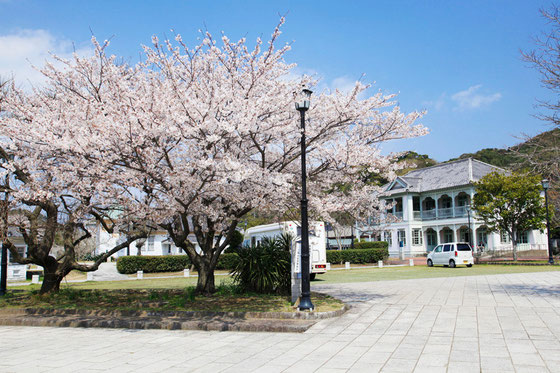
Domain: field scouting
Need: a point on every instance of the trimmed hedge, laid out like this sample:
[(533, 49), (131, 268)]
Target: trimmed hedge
[(357, 256), (371, 245), (227, 261), (151, 264), (168, 263)]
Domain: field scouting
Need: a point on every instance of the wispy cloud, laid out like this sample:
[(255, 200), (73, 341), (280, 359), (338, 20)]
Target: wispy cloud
[(438, 103), (471, 99), (23, 49)]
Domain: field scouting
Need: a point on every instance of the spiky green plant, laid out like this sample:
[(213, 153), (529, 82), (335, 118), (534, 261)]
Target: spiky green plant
[(265, 268)]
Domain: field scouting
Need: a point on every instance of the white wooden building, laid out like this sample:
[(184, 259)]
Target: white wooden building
[(431, 206), (158, 243)]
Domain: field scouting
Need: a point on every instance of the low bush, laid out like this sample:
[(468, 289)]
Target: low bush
[(357, 256), (371, 245), (151, 264), (227, 261), (168, 263), (92, 257)]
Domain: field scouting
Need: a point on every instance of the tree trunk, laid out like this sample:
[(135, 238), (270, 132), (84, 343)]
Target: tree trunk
[(206, 280), (514, 245), (54, 273)]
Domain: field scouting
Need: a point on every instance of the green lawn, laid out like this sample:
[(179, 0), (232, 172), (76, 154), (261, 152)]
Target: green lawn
[(404, 273), (146, 283), (227, 299), (338, 276), (177, 293)]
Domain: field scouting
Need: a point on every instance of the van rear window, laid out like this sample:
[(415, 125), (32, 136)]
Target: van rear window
[(463, 247)]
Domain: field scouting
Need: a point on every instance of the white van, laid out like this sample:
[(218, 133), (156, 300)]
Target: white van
[(317, 240), (451, 254)]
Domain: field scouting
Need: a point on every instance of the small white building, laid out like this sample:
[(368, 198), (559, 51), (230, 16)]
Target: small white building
[(158, 243), (16, 272), (431, 206)]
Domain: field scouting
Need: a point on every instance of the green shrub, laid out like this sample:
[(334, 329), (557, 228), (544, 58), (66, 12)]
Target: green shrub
[(151, 264), (227, 261), (168, 263), (92, 257), (371, 245), (357, 256), (235, 243), (264, 268)]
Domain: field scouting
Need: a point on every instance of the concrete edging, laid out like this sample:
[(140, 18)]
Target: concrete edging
[(295, 322)]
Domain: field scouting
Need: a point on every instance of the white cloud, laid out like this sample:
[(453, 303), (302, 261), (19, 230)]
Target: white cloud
[(343, 84), (470, 99), (438, 103), (26, 48)]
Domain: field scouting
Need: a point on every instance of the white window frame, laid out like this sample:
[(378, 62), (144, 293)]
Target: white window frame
[(401, 236), (417, 239), (150, 243), (448, 236), (504, 237), (388, 235)]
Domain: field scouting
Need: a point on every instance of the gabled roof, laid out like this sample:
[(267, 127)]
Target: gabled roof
[(442, 176)]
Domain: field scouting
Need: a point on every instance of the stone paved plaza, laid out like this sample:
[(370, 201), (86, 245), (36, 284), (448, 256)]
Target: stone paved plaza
[(498, 323)]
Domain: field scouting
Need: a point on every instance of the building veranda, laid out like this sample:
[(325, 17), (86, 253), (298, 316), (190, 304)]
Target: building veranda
[(431, 206)]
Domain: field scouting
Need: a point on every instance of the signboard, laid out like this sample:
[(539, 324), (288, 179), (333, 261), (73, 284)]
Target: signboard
[(296, 258)]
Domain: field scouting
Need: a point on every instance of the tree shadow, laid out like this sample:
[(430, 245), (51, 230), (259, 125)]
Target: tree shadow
[(348, 295), (534, 288)]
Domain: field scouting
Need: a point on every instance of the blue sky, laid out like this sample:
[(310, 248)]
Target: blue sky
[(459, 60)]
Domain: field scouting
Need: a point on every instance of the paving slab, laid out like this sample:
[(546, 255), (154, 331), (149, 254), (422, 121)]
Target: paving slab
[(494, 323)]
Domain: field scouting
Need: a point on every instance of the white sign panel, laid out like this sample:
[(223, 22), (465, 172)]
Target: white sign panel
[(296, 258)]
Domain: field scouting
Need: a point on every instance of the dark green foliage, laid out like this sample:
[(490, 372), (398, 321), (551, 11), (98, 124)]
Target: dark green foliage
[(91, 257), (235, 242), (510, 203), (265, 268), (227, 261), (538, 149), (170, 263), (151, 264), (412, 161), (409, 160), (359, 256), (371, 245), (505, 158)]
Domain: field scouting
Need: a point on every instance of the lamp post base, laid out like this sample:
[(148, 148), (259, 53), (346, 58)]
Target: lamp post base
[(305, 304)]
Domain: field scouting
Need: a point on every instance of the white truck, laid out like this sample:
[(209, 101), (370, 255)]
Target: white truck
[(317, 240)]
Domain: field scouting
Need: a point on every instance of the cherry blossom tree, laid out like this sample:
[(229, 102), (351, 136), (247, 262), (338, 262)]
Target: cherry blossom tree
[(195, 138), (46, 194)]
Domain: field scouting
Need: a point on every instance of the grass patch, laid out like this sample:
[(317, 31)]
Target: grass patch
[(406, 273), (226, 299)]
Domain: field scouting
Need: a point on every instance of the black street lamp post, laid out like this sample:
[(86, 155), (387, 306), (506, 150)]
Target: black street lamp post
[(4, 251), (305, 300), (546, 185), (4, 269)]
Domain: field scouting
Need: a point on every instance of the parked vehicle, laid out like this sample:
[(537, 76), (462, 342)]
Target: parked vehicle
[(451, 254), (317, 240)]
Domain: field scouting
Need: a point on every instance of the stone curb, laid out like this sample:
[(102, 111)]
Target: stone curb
[(177, 314), (293, 322)]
